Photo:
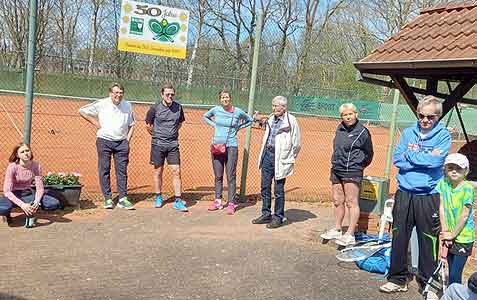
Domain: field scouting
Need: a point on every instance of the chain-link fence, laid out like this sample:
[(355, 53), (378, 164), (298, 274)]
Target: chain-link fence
[(77, 59), (63, 141)]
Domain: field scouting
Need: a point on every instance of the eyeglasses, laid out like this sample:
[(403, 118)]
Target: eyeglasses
[(429, 117), (169, 95)]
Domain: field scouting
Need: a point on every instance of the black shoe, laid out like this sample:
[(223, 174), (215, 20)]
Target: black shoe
[(262, 220), (276, 222)]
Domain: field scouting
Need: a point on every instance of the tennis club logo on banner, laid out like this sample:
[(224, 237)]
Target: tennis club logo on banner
[(153, 29)]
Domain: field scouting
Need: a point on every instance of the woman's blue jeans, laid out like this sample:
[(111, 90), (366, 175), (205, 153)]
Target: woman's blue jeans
[(47, 202)]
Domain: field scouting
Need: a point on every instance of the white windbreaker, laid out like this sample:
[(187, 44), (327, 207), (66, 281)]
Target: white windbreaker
[(287, 145)]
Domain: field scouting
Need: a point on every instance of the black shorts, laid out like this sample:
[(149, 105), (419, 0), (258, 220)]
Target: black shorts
[(160, 153), (341, 176), (461, 249)]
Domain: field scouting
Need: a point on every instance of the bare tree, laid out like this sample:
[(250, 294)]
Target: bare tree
[(66, 14), (96, 6), (4, 47), (122, 61), (45, 9), (200, 17), (15, 15), (310, 36), (387, 17), (225, 20), (234, 22), (264, 9), (284, 17)]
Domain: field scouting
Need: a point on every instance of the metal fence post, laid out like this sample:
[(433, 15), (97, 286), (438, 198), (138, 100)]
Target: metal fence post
[(30, 72), (392, 132), (251, 99)]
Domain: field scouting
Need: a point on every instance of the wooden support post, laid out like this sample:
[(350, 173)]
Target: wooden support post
[(406, 92)]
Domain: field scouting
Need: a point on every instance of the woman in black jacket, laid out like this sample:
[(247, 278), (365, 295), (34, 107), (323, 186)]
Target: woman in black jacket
[(352, 152)]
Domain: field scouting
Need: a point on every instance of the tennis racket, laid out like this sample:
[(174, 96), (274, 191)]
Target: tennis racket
[(441, 271), (444, 272), (357, 253)]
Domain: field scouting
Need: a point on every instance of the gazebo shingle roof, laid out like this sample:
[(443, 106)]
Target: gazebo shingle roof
[(441, 33)]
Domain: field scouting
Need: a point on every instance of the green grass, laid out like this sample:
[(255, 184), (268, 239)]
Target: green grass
[(11, 80)]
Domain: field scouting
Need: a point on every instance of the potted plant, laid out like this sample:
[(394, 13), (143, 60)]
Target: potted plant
[(65, 187)]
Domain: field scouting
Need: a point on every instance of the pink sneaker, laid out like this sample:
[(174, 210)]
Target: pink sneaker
[(231, 208), (217, 204)]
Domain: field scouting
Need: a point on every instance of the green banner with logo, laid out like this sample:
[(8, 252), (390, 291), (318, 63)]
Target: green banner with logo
[(330, 107)]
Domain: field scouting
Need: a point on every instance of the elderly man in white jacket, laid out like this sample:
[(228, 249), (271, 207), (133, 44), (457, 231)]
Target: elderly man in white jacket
[(280, 147)]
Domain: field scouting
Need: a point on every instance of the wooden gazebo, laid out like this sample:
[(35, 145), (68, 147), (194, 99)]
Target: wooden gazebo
[(439, 46)]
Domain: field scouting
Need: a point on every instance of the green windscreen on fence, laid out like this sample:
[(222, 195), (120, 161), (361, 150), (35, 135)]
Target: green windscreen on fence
[(329, 107), (378, 112)]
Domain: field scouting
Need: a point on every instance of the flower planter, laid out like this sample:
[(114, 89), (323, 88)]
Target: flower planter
[(68, 195)]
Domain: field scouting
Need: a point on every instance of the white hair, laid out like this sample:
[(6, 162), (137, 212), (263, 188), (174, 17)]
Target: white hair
[(429, 100), (282, 100), (346, 106)]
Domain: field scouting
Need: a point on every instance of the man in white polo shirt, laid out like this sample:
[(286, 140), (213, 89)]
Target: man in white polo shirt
[(114, 119)]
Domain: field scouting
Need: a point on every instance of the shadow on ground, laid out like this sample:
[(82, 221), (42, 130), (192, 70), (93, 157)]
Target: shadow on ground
[(191, 197), (250, 200), (4, 296), (88, 204), (43, 218), (297, 215)]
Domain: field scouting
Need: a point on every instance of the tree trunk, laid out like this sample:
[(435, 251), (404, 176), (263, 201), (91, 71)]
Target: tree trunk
[(94, 36), (190, 70), (303, 60), (200, 24)]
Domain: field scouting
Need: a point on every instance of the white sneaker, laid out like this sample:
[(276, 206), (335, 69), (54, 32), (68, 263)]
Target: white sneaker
[(431, 296), (346, 240), (331, 234), (391, 288)]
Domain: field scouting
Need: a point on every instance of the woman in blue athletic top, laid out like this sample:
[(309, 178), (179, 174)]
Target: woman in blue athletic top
[(226, 120)]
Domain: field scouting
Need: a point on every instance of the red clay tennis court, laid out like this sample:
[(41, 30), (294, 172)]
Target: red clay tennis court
[(63, 141)]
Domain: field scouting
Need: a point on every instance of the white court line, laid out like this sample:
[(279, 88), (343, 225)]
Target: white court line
[(11, 120)]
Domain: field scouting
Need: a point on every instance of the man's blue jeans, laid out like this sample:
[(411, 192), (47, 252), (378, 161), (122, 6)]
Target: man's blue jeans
[(268, 173)]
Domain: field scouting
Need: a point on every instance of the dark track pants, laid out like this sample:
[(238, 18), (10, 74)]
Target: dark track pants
[(120, 152), (421, 211)]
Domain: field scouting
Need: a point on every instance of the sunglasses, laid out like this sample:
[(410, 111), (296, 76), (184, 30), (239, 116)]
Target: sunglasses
[(429, 117), (170, 95)]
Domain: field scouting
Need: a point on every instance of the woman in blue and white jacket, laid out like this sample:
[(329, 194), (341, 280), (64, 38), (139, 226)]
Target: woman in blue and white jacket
[(227, 120), (352, 152)]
